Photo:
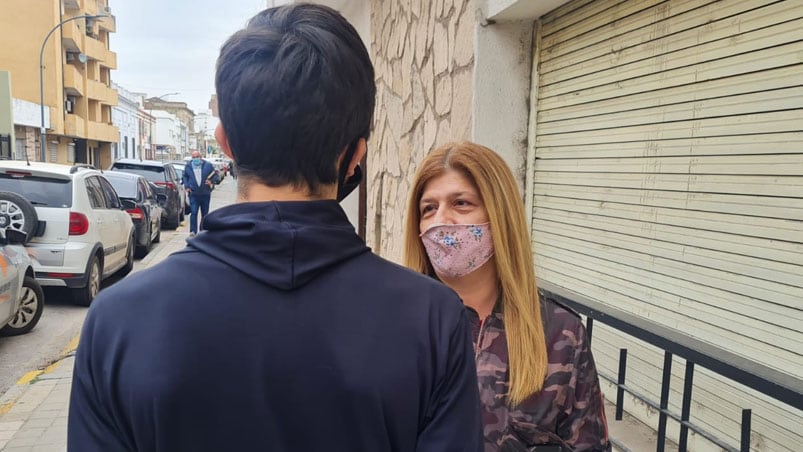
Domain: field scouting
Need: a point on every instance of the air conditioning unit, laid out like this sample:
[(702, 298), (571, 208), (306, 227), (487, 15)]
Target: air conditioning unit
[(107, 10)]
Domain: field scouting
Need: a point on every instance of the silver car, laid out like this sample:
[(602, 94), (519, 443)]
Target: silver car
[(21, 296)]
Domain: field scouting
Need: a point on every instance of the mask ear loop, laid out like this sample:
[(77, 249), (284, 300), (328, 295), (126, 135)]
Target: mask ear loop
[(344, 186)]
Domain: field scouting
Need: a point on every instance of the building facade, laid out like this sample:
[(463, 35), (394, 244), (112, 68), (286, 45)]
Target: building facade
[(125, 116), (659, 152), (77, 62), (167, 136)]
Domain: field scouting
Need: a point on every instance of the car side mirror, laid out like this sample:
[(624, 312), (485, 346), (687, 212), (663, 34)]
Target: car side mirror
[(127, 204), (15, 237), (161, 197)]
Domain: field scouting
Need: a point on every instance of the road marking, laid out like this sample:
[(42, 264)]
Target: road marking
[(27, 378), (72, 346)]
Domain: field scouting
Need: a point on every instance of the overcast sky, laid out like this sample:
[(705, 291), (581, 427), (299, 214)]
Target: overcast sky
[(166, 46)]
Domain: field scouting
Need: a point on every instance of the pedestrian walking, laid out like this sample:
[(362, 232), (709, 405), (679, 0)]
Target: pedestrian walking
[(199, 180), (321, 345), (537, 379)]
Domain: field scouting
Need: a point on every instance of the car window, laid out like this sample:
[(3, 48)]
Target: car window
[(145, 188), (152, 173), (125, 188), (96, 197), (39, 190), (112, 201), (172, 172)]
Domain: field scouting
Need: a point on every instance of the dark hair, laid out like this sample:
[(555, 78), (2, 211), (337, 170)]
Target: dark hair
[(295, 89)]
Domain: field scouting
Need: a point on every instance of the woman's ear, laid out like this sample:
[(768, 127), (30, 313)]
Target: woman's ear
[(223, 140)]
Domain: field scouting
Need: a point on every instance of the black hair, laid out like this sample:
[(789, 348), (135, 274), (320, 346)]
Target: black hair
[(295, 89)]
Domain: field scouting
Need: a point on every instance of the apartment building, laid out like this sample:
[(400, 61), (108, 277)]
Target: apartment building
[(75, 85)]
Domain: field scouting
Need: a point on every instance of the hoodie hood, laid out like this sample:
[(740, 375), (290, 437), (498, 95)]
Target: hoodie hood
[(283, 244)]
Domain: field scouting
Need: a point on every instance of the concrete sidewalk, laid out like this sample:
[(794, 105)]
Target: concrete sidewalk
[(33, 413)]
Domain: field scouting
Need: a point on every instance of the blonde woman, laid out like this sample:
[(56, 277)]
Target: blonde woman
[(537, 380)]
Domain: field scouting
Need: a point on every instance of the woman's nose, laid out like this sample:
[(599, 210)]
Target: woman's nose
[(443, 216)]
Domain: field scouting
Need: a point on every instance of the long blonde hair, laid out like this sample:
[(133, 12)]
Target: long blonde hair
[(514, 263)]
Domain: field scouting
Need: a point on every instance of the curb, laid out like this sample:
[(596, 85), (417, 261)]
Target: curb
[(10, 398)]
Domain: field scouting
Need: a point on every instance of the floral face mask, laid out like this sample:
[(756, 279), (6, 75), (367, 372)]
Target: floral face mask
[(456, 250)]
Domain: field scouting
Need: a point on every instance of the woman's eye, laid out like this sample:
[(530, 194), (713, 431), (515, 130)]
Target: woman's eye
[(426, 209)]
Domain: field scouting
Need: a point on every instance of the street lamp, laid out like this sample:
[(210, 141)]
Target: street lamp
[(43, 138)]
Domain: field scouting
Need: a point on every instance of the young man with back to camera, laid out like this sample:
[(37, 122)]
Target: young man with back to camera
[(322, 345)]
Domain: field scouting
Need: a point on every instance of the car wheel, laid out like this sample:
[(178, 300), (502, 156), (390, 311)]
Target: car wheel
[(17, 213), (129, 258), (143, 250), (175, 222), (32, 301), (84, 295)]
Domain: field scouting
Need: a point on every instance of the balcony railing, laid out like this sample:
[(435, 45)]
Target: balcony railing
[(100, 92), (102, 132), (778, 385), (108, 23), (73, 81), (72, 36), (74, 126)]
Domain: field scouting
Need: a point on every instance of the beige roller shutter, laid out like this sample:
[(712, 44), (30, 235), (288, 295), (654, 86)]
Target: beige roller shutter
[(669, 182)]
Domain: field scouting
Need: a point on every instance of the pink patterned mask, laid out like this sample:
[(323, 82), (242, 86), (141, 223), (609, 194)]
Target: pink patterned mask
[(456, 250)]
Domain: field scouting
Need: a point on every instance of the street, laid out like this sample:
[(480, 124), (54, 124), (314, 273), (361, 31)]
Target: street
[(62, 320)]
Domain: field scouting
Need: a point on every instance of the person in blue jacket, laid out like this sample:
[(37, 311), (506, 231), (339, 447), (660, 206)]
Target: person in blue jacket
[(318, 344), (199, 180)]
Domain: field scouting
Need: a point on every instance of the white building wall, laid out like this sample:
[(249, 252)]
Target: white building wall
[(124, 117)]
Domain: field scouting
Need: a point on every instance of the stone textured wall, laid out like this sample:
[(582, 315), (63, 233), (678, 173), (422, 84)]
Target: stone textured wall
[(423, 53)]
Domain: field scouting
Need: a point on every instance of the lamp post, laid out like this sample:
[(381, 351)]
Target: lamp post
[(150, 111), (43, 137)]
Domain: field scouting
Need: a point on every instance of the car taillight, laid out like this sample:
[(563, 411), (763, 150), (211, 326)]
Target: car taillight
[(136, 213), (79, 223), (169, 185)]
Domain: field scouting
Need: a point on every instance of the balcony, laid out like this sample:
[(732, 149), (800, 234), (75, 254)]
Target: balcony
[(98, 51), (108, 23), (72, 37), (72, 4), (73, 81), (100, 92), (102, 132), (109, 60), (74, 126)]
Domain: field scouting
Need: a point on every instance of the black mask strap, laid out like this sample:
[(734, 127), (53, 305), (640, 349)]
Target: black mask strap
[(346, 186)]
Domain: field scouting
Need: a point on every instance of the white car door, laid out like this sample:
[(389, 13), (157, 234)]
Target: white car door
[(103, 223), (119, 220)]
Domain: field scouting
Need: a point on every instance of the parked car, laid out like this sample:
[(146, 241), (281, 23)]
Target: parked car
[(143, 205), (163, 176), (179, 166), (79, 232), (221, 165), (21, 297)]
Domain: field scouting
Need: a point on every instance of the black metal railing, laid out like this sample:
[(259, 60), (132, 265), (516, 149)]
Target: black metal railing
[(778, 385)]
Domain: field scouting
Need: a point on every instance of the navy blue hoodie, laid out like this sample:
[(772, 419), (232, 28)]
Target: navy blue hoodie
[(278, 330)]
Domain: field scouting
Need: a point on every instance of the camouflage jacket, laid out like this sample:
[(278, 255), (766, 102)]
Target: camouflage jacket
[(568, 411)]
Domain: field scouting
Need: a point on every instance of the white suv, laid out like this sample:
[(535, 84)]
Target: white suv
[(80, 232)]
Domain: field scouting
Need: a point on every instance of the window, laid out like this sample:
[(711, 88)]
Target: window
[(19, 152), (112, 201), (125, 146), (39, 190), (96, 197)]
